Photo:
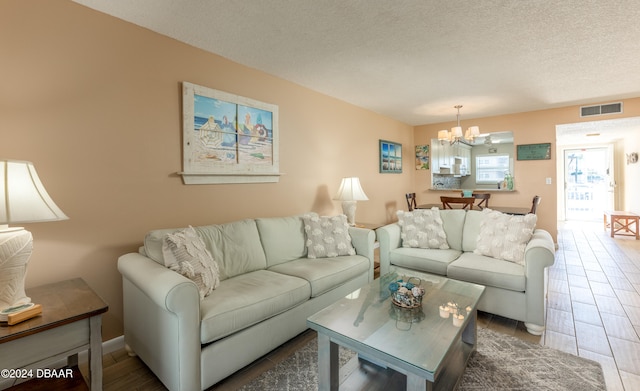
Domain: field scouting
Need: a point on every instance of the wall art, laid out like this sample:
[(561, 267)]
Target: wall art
[(390, 157), (422, 157), (228, 138)]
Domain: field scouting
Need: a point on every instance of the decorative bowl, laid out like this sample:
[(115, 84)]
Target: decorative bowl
[(407, 294)]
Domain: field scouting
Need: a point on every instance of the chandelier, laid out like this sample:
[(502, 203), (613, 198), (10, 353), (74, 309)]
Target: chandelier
[(455, 136)]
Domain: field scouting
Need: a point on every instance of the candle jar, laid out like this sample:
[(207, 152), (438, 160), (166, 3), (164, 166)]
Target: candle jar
[(458, 319)]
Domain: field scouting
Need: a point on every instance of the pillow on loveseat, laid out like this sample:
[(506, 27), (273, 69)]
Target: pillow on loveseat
[(184, 252), (327, 236), (422, 228), (504, 236)]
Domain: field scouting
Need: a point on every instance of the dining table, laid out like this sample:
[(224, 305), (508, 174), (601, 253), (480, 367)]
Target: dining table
[(511, 210)]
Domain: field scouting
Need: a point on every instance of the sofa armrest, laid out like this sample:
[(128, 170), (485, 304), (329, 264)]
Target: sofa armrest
[(389, 239), (363, 241), (162, 320), (539, 254)]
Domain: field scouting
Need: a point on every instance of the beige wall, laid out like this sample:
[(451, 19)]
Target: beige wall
[(95, 103), (528, 128)]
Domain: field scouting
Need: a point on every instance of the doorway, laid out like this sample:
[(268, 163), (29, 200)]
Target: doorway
[(589, 184)]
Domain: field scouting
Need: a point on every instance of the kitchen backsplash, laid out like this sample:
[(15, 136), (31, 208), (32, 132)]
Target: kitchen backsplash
[(446, 182)]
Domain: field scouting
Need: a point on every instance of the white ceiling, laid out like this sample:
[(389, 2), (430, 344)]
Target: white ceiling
[(414, 60)]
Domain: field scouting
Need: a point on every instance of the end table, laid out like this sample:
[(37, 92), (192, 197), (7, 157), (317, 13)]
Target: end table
[(71, 322)]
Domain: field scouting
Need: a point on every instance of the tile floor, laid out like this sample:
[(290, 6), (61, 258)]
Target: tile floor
[(594, 301)]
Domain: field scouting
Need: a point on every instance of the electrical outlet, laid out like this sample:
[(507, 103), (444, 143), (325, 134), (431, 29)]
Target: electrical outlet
[(548, 181)]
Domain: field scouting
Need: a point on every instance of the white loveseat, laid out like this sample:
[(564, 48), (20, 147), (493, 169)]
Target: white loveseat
[(513, 290), (268, 289)]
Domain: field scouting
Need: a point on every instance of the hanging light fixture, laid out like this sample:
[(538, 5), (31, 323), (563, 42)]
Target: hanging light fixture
[(456, 132)]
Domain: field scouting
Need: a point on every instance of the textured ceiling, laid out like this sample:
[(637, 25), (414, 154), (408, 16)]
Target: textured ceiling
[(414, 60)]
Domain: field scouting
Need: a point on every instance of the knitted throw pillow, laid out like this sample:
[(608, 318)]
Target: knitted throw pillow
[(184, 252), (327, 236), (422, 228), (504, 236)]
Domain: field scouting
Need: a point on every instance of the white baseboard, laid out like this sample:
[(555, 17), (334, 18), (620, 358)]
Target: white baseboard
[(109, 346)]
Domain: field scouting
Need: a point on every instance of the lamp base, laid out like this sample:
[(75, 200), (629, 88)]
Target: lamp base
[(16, 245), (349, 209)]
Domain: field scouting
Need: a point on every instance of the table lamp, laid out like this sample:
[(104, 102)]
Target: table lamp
[(349, 193), (23, 199)]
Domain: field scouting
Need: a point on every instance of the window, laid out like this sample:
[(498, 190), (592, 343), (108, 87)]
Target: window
[(490, 169)]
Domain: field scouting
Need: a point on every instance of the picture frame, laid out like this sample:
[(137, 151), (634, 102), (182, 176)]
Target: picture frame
[(228, 138), (534, 151), (422, 157), (390, 157)]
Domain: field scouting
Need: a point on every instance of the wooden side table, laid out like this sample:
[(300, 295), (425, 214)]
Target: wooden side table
[(626, 221), (71, 322)]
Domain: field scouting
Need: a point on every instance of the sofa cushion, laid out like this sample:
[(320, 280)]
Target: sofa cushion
[(327, 236), (185, 252), (471, 229), (424, 259), (504, 236), (488, 271), (325, 274), (283, 239), (263, 295), (453, 221), (422, 228), (235, 246), (153, 242)]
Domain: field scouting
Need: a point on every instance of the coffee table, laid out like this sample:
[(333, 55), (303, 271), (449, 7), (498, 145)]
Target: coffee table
[(428, 348)]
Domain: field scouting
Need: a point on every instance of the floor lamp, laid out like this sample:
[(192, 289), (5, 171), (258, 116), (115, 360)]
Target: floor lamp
[(350, 192), (23, 199)]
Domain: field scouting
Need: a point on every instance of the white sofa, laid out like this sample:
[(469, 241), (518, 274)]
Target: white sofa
[(512, 290), (268, 289)]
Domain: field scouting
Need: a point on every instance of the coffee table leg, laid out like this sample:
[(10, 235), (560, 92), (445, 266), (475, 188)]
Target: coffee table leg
[(416, 383), (469, 334), (328, 365)]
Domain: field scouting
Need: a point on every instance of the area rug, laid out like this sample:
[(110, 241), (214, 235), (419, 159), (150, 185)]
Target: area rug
[(501, 362)]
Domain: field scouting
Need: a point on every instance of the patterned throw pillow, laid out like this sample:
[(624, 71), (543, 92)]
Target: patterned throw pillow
[(184, 252), (327, 236), (504, 236), (422, 228)]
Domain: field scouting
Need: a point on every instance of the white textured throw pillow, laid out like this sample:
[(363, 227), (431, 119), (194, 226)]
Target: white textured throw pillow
[(422, 228), (504, 236), (327, 236), (184, 252)]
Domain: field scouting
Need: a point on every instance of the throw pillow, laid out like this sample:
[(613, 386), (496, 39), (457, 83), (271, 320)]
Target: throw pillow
[(422, 228), (327, 236), (504, 236), (184, 252)]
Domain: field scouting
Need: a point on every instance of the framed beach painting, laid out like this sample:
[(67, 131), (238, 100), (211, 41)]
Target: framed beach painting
[(390, 157), (422, 157), (228, 138)]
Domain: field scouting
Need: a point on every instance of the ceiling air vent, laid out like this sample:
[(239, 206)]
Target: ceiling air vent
[(609, 108)]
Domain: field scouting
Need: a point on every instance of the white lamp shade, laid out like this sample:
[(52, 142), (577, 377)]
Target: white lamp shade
[(350, 190), (474, 131), (443, 135), (23, 198), (456, 132)]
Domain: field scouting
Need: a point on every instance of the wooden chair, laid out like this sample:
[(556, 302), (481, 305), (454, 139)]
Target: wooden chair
[(535, 203), (483, 197), (411, 201), (466, 202)]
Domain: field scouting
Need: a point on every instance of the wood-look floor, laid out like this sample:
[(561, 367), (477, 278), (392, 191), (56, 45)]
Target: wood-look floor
[(593, 311)]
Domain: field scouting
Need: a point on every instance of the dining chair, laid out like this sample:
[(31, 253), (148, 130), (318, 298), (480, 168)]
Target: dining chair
[(483, 197), (465, 202), (411, 201), (535, 203)]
